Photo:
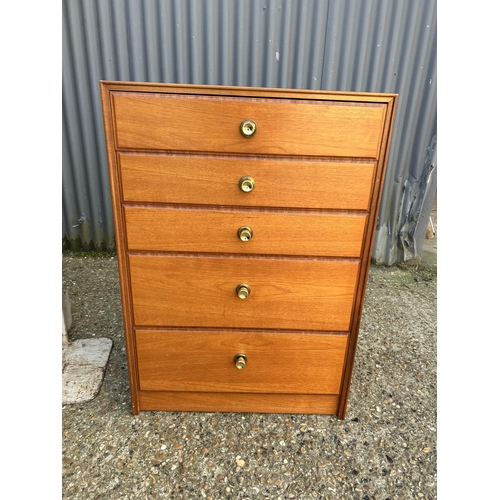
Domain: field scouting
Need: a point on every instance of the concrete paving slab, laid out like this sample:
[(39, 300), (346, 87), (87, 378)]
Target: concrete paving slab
[(83, 365)]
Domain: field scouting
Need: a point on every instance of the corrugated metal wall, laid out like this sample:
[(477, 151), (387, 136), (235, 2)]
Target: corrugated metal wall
[(351, 45)]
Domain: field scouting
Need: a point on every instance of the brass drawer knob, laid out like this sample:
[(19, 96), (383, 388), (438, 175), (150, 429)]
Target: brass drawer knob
[(245, 233), (240, 360), (243, 291), (248, 128), (246, 184)]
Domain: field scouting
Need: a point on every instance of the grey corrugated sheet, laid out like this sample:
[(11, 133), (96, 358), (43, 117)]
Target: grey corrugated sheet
[(351, 45)]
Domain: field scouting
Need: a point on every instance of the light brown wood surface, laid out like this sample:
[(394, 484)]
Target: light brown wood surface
[(204, 361), (285, 127), (211, 180), (175, 155), (299, 294), (236, 402), (191, 230), (248, 92)]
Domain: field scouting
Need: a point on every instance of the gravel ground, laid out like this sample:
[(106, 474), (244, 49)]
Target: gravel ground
[(384, 449)]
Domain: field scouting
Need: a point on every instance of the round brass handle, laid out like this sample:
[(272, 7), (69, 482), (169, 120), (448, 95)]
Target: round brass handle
[(240, 361), (243, 291), (245, 233), (246, 184), (248, 128)]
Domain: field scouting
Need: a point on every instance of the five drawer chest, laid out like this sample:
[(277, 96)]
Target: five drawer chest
[(244, 222)]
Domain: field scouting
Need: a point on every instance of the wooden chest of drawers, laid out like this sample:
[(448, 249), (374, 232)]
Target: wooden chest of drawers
[(244, 221)]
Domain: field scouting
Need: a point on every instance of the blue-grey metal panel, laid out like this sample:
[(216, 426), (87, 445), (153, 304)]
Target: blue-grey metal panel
[(349, 45)]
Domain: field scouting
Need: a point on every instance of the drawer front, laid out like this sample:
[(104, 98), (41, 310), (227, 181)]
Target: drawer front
[(201, 291), (215, 181), (204, 361), (284, 126), (225, 231)]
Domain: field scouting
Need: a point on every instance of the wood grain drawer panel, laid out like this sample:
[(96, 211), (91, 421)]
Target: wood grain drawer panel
[(204, 361), (200, 291), (214, 181), (191, 230), (285, 127)]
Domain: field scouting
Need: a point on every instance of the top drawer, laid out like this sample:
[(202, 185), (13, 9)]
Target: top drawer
[(154, 121)]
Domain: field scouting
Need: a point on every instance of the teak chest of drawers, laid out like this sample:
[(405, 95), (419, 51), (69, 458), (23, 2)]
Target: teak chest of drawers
[(244, 221)]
